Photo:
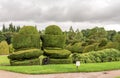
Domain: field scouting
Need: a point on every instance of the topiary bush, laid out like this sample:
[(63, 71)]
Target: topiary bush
[(53, 41), (57, 53), (20, 41), (60, 61), (11, 49), (28, 30), (25, 54), (53, 30), (25, 62), (4, 48)]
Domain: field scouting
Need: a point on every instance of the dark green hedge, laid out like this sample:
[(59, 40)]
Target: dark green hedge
[(20, 41), (53, 30), (57, 53), (25, 62), (53, 41), (25, 54), (106, 55), (60, 61)]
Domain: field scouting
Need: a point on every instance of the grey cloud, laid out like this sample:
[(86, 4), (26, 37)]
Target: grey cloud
[(60, 10)]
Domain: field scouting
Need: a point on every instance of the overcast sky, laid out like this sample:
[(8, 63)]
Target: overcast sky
[(80, 14)]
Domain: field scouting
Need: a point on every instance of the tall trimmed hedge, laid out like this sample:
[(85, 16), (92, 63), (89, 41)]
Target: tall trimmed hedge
[(53, 30), (20, 41), (53, 41), (4, 48)]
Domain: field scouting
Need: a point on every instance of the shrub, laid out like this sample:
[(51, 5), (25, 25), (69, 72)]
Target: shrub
[(20, 41), (28, 30), (106, 55), (25, 62), (114, 45), (4, 48), (60, 61), (11, 49), (25, 54), (43, 60), (53, 41), (57, 53), (76, 48), (92, 47), (53, 30)]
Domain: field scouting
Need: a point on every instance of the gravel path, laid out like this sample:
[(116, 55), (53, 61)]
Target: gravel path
[(104, 74)]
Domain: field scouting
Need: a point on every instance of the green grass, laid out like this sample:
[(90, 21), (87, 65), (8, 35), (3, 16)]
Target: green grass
[(60, 68), (4, 60), (118, 77)]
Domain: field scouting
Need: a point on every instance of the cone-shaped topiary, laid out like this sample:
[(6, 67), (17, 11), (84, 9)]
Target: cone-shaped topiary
[(4, 48), (53, 30)]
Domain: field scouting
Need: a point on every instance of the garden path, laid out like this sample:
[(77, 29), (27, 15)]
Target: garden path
[(104, 74)]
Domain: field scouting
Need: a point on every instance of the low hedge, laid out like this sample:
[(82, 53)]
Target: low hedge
[(25, 54), (25, 62), (106, 55), (60, 61), (57, 53)]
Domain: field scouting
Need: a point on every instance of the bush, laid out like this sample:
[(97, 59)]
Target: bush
[(92, 47), (25, 54), (4, 48), (20, 41), (60, 61), (76, 48), (28, 30), (57, 53), (53, 41), (53, 30), (11, 49), (43, 60), (106, 55), (25, 62)]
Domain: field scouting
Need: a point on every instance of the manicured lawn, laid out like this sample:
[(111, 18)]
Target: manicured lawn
[(61, 68), (4, 60)]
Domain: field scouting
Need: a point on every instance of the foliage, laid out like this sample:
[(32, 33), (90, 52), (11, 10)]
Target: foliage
[(53, 30), (25, 54), (2, 37), (28, 30), (76, 48), (57, 53), (11, 49), (53, 41), (102, 42), (106, 55), (41, 58), (20, 41), (92, 47), (4, 48), (61, 61), (25, 62)]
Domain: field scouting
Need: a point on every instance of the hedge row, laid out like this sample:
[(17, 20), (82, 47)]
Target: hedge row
[(57, 53), (106, 55), (60, 61), (53, 41), (25, 54), (20, 41), (25, 62)]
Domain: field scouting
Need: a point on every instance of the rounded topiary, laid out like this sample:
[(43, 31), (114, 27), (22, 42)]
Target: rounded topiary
[(53, 30), (28, 30), (4, 48)]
